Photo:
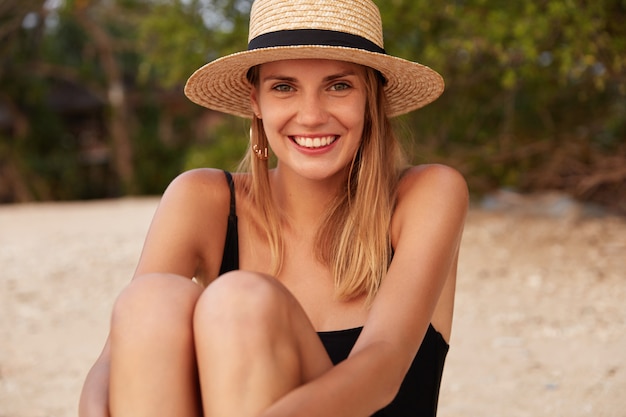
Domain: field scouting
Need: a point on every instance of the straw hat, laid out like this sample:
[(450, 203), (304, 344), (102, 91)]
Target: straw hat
[(344, 30)]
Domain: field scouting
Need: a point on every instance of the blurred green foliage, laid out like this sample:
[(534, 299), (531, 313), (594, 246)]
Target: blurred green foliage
[(224, 151), (91, 101)]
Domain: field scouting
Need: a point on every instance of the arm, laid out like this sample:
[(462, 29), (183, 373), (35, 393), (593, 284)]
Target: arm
[(426, 231)]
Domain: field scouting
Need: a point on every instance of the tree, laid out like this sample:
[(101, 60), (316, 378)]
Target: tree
[(534, 89), (21, 32)]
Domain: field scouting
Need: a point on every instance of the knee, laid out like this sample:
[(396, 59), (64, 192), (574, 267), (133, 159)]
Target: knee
[(242, 298), (154, 302)]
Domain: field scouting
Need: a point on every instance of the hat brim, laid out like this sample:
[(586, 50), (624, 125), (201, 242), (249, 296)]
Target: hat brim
[(222, 85)]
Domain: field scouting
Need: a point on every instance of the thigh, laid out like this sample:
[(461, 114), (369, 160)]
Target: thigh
[(153, 367), (251, 332), (271, 307)]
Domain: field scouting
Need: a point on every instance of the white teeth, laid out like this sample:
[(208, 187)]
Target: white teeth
[(314, 142)]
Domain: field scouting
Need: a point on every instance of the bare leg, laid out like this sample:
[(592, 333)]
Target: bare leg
[(153, 365), (254, 344)]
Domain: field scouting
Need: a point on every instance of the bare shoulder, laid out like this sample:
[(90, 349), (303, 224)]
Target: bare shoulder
[(199, 199), (433, 175), (199, 189), (202, 179), (431, 192), (188, 228), (433, 183)]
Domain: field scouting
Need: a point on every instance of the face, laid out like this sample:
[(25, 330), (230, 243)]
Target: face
[(313, 114)]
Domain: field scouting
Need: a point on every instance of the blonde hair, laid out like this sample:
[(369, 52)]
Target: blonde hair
[(353, 240)]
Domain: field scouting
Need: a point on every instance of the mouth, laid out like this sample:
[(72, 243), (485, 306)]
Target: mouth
[(314, 143)]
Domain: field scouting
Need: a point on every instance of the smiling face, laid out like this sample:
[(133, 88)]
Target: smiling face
[(313, 114)]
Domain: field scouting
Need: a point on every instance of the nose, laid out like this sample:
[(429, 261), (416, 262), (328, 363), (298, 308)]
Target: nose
[(312, 110)]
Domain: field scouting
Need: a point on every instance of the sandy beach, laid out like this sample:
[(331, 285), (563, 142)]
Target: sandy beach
[(540, 321)]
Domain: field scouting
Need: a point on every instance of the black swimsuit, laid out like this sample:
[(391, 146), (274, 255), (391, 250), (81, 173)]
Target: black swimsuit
[(419, 392)]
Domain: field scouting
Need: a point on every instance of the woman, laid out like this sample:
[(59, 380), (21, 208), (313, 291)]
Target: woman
[(336, 268)]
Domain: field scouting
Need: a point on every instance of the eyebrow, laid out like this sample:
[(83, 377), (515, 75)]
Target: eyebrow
[(347, 73), (278, 78), (293, 80)]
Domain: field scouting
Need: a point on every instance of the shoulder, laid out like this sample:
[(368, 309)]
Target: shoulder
[(433, 175), (198, 187), (197, 180), (184, 235), (431, 184), (431, 192), (202, 194), (196, 196)]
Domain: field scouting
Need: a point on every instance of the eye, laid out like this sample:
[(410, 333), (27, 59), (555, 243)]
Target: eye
[(282, 88), (341, 86)]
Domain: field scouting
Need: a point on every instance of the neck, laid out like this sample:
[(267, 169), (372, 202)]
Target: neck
[(303, 201)]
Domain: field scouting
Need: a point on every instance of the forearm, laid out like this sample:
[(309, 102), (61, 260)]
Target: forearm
[(359, 386)]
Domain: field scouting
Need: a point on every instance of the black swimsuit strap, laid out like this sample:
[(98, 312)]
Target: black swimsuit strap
[(230, 258), (231, 185)]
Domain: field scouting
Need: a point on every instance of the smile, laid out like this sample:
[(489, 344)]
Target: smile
[(314, 143)]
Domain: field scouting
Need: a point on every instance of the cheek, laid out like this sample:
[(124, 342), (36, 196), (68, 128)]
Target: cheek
[(355, 112), (271, 123), (272, 113), (354, 118)]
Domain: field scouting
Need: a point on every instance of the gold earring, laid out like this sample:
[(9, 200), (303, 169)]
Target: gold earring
[(260, 153)]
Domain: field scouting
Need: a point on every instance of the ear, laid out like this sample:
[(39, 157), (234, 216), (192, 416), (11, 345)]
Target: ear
[(254, 102)]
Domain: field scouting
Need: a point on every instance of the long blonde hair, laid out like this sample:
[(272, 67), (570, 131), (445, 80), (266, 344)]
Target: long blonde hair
[(353, 240)]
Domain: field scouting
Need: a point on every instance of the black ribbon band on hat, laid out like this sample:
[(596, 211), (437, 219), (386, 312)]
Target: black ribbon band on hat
[(303, 37)]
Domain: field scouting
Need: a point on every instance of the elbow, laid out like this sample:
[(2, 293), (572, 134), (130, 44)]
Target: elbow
[(386, 393), (382, 367), (390, 390), (387, 396), (390, 377)]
